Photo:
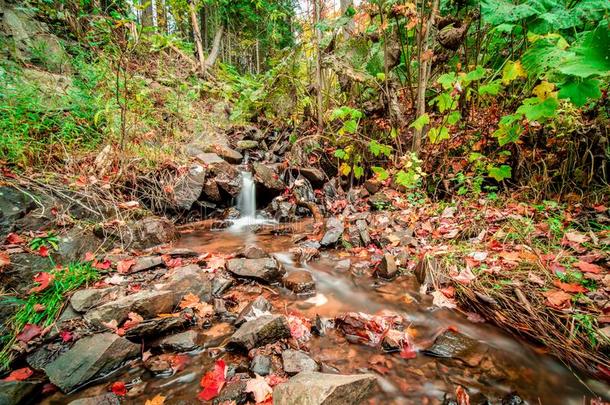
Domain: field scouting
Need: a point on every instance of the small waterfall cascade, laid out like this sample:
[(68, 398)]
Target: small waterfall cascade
[(246, 204)]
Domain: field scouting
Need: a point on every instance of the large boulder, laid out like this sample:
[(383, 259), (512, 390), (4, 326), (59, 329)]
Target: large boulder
[(147, 304), (90, 357), (267, 177), (313, 388), (16, 392), (261, 331), (13, 205), (225, 152), (296, 361), (334, 230), (153, 231), (188, 188), (266, 269), (189, 279)]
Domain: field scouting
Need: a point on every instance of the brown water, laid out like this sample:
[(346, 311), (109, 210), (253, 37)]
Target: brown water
[(506, 365)]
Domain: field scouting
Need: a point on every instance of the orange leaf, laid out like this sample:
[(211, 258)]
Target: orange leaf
[(558, 299), (118, 388), (5, 260), (44, 279), (133, 319), (588, 267), (19, 374), (29, 332), (14, 239), (123, 266), (213, 381), (571, 288)]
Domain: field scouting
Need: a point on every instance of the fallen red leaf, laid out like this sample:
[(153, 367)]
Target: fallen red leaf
[(123, 266), (213, 381), (179, 362), (172, 263), (89, 257), (462, 396), (39, 308), (588, 267), (118, 388), (571, 288), (44, 279), (105, 265), (5, 260), (66, 336), (48, 388), (19, 374), (558, 299), (14, 239), (43, 251), (29, 332)]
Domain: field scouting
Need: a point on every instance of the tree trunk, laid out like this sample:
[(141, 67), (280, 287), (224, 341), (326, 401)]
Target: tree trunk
[(424, 72), (215, 47), (197, 35), (316, 10), (147, 15)]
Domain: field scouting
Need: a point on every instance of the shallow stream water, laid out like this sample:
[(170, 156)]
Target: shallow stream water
[(503, 365)]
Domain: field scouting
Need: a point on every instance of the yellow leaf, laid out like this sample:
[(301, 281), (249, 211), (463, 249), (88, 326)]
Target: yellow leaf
[(345, 169), (512, 71), (157, 400), (544, 90)]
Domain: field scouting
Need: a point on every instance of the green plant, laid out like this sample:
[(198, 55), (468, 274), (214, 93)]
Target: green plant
[(411, 173), (586, 323), (49, 240), (51, 300)]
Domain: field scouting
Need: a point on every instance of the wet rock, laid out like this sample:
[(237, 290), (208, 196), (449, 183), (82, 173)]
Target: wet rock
[(313, 388), (84, 300), (145, 303), (45, 355), (13, 205), (305, 253), (334, 230), (145, 263), (380, 201), (220, 284), (343, 265), (261, 331), (332, 189), (16, 392), (353, 235), (89, 358), (267, 177), (387, 268), (152, 231), (156, 326), (23, 267), (295, 361), (188, 188), (315, 176), (232, 393), (252, 251), (75, 244), (225, 152), (246, 145), (372, 186), (300, 282), (209, 159), (303, 190), (211, 191), (364, 232), (454, 345), (280, 210), (261, 365), (189, 279), (513, 399), (253, 310), (228, 180), (217, 334), (102, 399), (181, 342), (267, 269)]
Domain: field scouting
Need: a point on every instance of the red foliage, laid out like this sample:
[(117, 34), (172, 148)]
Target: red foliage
[(213, 381), (44, 280), (19, 374)]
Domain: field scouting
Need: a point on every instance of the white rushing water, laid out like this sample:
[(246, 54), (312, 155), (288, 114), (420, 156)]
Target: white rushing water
[(246, 204)]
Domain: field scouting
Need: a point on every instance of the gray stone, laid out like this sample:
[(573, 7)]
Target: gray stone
[(188, 188), (246, 145), (220, 284), (189, 279), (452, 344), (259, 306), (295, 361), (89, 358), (233, 393), (102, 399), (261, 331), (181, 342), (156, 326), (147, 304), (380, 201), (315, 176), (267, 177), (387, 268), (300, 282), (23, 267), (209, 159), (145, 263), (364, 232), (84, 300), (252, 251), (16, 392), (225, 152), (266, 269), (334, 230), (313, 388), (261, 365), (343, 265), (152, 231)]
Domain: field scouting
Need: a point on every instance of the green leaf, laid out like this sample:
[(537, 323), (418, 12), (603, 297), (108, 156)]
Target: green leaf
[(500, 173), (491, 88), (358, 171), (437, 134), (453, 117), (476, 74), (447, 80), (544, 54), (407, 179), (579, 91), (378, 149), (592, 56), (350, 126), (380, 76), (496, 12), (381, 173), (341, 154), (509, 129), (535, 109), (420, 122), (444, 101), (512, 71)]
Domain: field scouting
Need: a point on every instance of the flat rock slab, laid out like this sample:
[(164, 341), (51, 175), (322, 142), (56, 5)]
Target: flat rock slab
[(83, 300), (156, 326), (103, 399), (313, 388), (454, 345), (15, 392), (261, 331), (145, 263), (266, 269), (334, 230), (181, 342), (296, 361), (300, 282), (189, 279), (254, 309), (147, 304), (89, 358)]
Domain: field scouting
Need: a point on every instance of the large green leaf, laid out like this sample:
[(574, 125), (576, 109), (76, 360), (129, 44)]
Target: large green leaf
[(535, 109), (579, 91), (542, 55), (496, 12), (592, 55)]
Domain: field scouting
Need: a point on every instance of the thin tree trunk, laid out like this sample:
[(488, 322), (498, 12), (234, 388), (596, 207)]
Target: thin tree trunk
[(258, 58), (424, 72), (316, 10), (215, 47), (197, 35)]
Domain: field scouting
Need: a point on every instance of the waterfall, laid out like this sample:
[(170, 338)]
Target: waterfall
[(246, 205)]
